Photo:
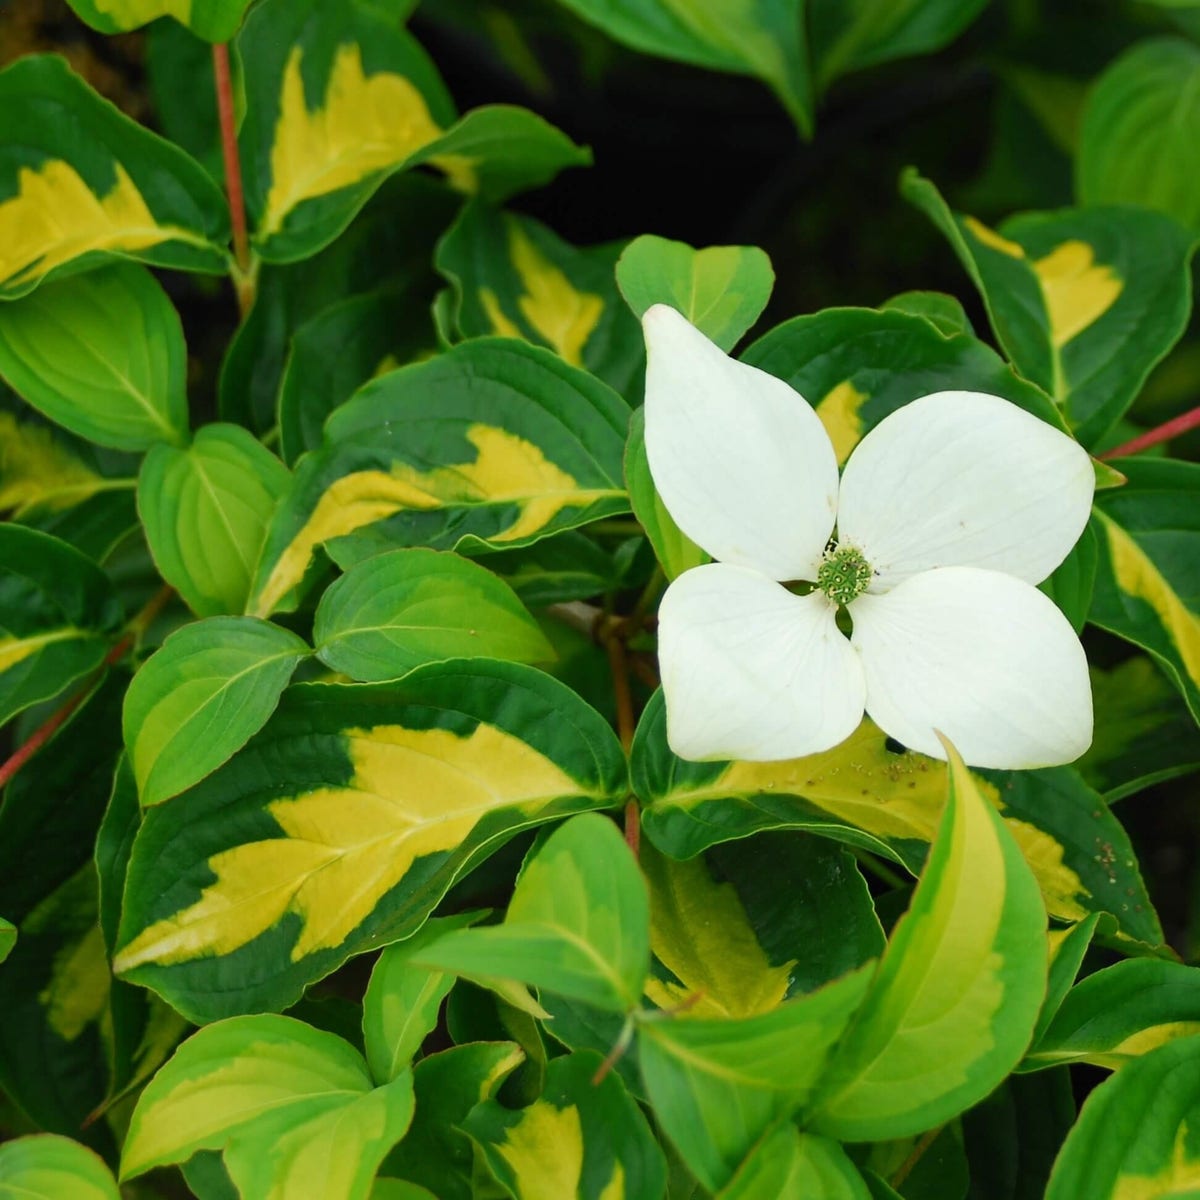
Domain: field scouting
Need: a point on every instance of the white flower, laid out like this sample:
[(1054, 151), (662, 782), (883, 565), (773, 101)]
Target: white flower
[(948, 513)]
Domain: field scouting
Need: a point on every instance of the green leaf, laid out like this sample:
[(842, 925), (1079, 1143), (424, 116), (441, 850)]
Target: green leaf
[(380, 796), (957, 994), (201, 697), (1121, 1012), (521, 446), (206, 510), (58, 615), (856, 366), (763, 38), (8, 938), (79, 180), (54, 1061), (46, 1166), (1013, 1137), (722, 290), (1144, 733), (395, 611), (850, 35), (1071, 584), (887, 803), (716, 1086), (376, 252), (579, 1139), (435, 1151), (790, 1163), (292, 1108), (399, 1189), (339, 350), (1140, 125), (729, 942), (926, 1167), (943, 312), (513, 276), (500, 150), (1067, 950), (114, 841), (1084, 301), (403, 1001), (212, 20), (1134, 1136), (95, 527), (567, 566), (1147, 589), (338, 97), (578, 923), (101, 354), (179, 67), (675, 551)]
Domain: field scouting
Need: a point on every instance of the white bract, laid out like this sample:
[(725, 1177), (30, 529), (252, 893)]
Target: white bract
[(947, 515)]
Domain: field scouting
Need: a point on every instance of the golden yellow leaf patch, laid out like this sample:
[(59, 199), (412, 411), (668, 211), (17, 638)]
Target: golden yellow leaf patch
[(1076, 290), (35, 469), (839, 413), (55, 217), (894, 797), (1177, 1178), (507, 470), (700, 932), (14, 650), (414, 792), (560, 314), (131, 13), (1136, 575), (365, 124)]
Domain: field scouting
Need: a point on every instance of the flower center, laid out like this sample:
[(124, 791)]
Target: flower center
[(843, 574)]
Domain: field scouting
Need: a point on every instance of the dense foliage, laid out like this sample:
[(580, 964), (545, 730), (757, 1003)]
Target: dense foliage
[(349, 846)]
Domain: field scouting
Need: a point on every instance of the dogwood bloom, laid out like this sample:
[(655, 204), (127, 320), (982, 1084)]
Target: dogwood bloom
[(947, 514)]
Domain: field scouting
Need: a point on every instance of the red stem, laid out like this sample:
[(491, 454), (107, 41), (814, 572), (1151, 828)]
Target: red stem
[(57, 719), (233, 166), (1161, 433)]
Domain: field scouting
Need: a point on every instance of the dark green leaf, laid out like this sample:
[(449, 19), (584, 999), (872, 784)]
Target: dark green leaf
[(58, 615)]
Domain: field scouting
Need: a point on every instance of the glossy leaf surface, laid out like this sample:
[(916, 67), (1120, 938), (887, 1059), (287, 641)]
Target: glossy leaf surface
[(578, 923), (426, 777), (397, 610), (80, 181), (206, 510), (201, 697), (58, 617), (1085, 301), (1139, 129), (578, 1139), (722, 290), (47, 1167), (292, 1108), (514, 277), (526, 446), (1148, 536), (1134, 1135), (954, 1003), (213, 20), (890, 803), (101, 354), (717, 1086)]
